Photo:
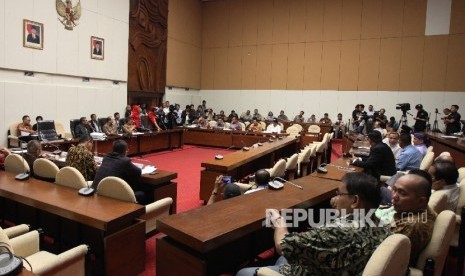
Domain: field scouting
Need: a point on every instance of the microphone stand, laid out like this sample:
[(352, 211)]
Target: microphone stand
[(24, 175), (47, 143), (293, 184)]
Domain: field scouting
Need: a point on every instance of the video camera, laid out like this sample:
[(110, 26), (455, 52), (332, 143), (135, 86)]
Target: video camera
[(403, 106)]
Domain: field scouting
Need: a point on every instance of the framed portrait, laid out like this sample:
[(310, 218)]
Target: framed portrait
[(33, 34), (97, 47)]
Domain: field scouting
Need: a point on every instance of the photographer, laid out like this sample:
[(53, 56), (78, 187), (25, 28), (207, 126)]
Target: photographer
[(420, 119), (453, 120), (358, 118), (369, 118)]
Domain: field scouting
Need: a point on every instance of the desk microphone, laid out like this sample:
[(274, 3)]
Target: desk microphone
[(24, 175), (296, 185), (86, 191), (47, 143), (244, 148)]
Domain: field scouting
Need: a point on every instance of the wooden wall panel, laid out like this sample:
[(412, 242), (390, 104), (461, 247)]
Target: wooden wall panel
[(414, 18), (208, 69), (250, 24), (392, 18), (314, 24), (312, 67), (265, 21), (218, 24), (295, 66), (279, 66), (297, 18), (371, 19), (264, 57), (389, 64), (234, 68), (351, 19), (455, 80), (281, 21), (174, 67), (411, 63), (457, 19), (207, 26), (331, 59), (332, 20), (249, 66), (369, 64), (221, 68), (193, 67), (350, 58), (435, 63), (235, 23)]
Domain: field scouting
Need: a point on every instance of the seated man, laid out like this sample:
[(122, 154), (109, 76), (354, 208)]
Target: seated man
[(25, 129), (4, 152), (118, 164), (409, 157), (220, 124), (260, 181), (445, 174), (38, 119), (81, 158), (274, 127), (325, 119), (129, 127), (230, 190), (83, 128), (110, 128), (381, 160), (393, 142), (299, 118), (34, 151), (235, 125), (94, 124), (282, 116), (257, 116), (419, 141), (312, 119), (410, 214), (339, 247), (246, 117), (255, 126)]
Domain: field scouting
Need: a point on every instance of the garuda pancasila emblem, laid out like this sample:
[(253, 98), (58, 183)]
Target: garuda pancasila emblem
[(69, 14)]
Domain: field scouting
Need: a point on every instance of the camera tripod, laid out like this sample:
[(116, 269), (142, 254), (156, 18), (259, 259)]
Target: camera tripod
[(435, 123), (403, 119)]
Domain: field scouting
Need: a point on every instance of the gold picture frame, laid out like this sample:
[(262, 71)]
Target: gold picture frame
[(97, 48), (33, 34)]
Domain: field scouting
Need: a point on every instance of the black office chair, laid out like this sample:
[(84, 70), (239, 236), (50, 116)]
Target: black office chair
[(102, 122), (72, 126)]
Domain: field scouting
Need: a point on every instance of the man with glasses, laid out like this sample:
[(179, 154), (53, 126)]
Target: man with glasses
[(83, 128), (339, 247)]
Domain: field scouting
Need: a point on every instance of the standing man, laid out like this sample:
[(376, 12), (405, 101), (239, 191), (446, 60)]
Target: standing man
[(339, 126), (420, 119), (453, 120), (370, 118), (118, 122)]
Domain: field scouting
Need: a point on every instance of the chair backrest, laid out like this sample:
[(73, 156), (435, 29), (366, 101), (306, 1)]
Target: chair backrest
[(461, 201), (391, 257), (299, 127), (72, 126), (314, 129), (430, 149), (60, 129), (279, 169), (427, 161), (242, 126), (263, 125), (291, 163), (461, 174), (438, 201), (45, 168), (438, 247), (13, 128), (70, 177), (212, 124), (292, 131), (116, 188), (15, 163), (304, 156), (227, 125)]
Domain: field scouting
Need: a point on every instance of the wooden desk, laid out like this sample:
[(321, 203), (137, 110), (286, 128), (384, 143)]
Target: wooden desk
[(163, 186), (456, 147), (337, 170), (218, 237), (225, 138), (241, 163), (110, 227)]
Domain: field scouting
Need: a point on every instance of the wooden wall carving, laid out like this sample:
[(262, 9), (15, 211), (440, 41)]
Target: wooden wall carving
[(148, 31)]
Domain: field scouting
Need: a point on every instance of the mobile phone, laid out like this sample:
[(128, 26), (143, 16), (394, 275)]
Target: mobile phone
[(226, 179)]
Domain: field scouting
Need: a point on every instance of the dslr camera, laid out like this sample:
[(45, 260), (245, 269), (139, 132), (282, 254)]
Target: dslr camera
[(403, 106)]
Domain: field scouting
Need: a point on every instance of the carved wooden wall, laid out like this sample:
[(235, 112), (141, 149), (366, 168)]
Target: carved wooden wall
[(148, 31)]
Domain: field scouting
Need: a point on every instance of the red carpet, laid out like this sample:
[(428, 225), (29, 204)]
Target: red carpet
[(186, 162)]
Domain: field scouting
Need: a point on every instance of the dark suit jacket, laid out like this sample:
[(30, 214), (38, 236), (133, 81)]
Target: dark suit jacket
[(33, 40), (80, 130), (380, 162), (113, 164)]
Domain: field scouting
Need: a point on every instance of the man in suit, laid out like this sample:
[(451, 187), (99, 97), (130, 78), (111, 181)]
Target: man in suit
[(33, 37), (83, 128), (94, 124), (381, 160), (118, 164), (97, 48)]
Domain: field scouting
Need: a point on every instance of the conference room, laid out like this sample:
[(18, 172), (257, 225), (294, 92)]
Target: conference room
[(301, 57)]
